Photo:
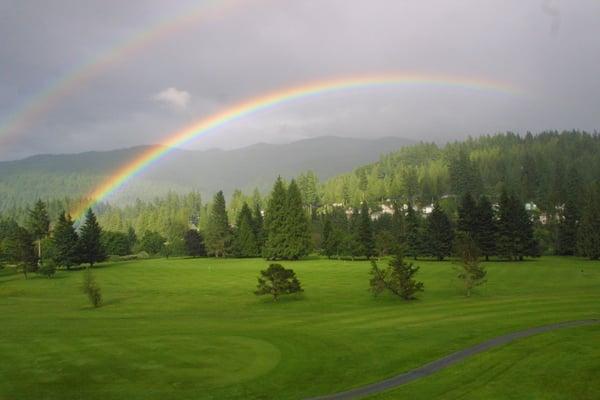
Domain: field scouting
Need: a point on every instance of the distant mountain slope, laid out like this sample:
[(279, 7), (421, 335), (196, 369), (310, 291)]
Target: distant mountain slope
[(57, 176)]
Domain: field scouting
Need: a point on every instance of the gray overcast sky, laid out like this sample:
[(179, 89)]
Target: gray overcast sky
[(241, 49)]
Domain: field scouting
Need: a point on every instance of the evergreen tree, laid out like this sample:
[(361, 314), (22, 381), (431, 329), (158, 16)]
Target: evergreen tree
[(398, 229), (507, 240), (297, 229), (486, 232), (328, 245), (194, 243), (398, 278), (589, 230), (470, 272), (259, 231), (567, 229), (439, 233), (17, 248), (275, 222), (66, 242), (276, 281), (414, 236), (365, 232), (115, 243), (39, 224), (467, 215), (245, 243), (90, 245), (218, 234)]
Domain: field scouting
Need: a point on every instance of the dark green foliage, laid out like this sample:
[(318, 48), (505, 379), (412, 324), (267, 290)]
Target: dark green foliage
[(17, 247), (47, 270), (277, 281), (467, 215), (464, 175), (90, 244), (589, 231), (298, 242), (38, 224), (328, 245), (245, 242), (131, 237), (218, 232), (515, 230), (116, 243), (153, 243), (470, 270), (414, 242), (385, 243), (439, 233), (65, 242), (194, 243), (365, 232), (567, 229), (398, 278), (486, 228), (259, 229), (91, 288), (275, 222)]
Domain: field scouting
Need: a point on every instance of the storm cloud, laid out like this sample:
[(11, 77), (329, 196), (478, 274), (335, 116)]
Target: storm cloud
[(550, 50)]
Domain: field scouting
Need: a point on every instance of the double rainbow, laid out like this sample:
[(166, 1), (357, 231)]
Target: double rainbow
[(273, 99), (40, 104)]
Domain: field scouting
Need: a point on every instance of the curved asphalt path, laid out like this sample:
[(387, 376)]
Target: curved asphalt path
[(453, 358)]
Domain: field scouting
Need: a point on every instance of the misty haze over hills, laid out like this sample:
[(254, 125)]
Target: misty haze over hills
[(207, 171)]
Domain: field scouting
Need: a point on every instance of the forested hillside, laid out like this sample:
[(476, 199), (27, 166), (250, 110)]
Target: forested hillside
[(74, 175), (544, 169)]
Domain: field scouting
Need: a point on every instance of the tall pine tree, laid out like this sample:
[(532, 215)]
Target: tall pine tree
[(589, 231), (275, 222), (66, 242), (39, 224), (365, 231), (218, 234), (297, 229), (90, 244), (439, 233), (245, 243), (487, 231), (414, 236)]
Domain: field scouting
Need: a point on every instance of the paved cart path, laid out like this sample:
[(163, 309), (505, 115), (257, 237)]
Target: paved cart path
[(453, 358)]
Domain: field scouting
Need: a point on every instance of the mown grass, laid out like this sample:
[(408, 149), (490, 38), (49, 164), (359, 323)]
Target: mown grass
[(193, 329)]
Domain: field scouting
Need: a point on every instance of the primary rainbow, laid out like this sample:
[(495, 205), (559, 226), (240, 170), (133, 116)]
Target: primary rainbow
[(204, 125), (38, 105)]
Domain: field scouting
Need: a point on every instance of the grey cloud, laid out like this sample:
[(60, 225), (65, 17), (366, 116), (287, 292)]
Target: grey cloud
[(550, 49)]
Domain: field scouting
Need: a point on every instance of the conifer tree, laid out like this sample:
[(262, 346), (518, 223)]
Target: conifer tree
[(66, 242), (467, 215), (414, 237), (275, 222), (259, 231), (507, 226), (39, 224), (365, 231), (218, 234), (194, 243), (589, 231), (439, 233), (486, 232), (90, 245), (18, 248), (328, 245), (398, 229), (567, 229), (244, 240), (297, 228)]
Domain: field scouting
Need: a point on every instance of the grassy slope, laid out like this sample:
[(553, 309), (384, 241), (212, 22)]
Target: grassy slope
[(193, 329)]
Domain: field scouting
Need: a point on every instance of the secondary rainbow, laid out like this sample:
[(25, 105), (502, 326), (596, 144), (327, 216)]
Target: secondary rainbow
[(43, 101), (276, 98)]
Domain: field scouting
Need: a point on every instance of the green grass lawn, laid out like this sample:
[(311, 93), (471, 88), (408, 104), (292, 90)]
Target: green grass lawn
[(193, 329)]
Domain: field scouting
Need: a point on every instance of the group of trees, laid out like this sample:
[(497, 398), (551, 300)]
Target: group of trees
[(507, 233), (283, 233), (37, 247)]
